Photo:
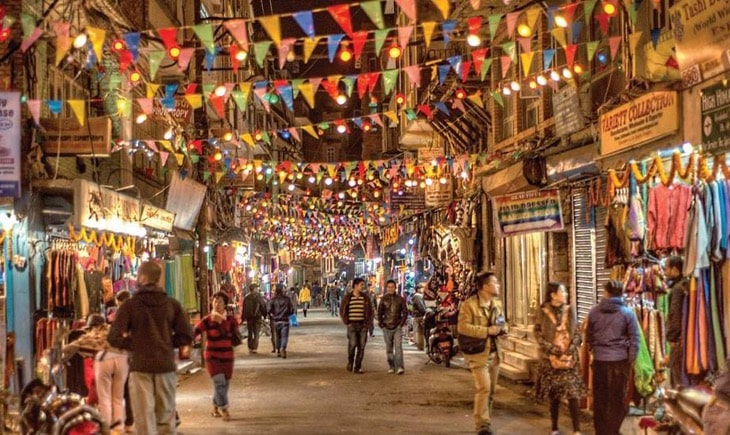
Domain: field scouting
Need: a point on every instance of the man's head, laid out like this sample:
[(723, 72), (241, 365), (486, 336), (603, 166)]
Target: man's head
[(613, 288), (420, 288), (123, 296), (358, 284), (149, 273), (390, 287), (253, 288), (674, 267), (488, 284), (280, 289)]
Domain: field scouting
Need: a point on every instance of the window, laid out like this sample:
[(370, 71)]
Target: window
[(330, 156)]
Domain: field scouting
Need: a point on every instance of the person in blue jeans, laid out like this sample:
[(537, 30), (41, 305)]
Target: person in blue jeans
[(356, 311), (280, 308), (392, 316)]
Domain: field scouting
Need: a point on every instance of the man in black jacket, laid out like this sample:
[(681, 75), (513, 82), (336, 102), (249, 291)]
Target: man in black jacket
[(392, 316), (679, 288), (254, 310), (356, 311), (150, 326), (280, 308)]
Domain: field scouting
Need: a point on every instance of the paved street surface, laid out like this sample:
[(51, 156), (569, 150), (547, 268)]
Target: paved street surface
[(310, 392)]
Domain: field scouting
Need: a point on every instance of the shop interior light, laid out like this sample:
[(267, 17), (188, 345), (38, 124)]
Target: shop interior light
[(473, 40), (554, 76), (515, 86), (341, 99), (560, 21), (524, 30), (394, 51), (80, 40)]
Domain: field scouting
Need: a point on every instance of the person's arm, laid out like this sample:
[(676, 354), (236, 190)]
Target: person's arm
[(381, 313), (633, 332), (674, 319), (199, 328), (182, 333), (343, 309), (262, 303), (403, 311), (545, 346), (119, 333)]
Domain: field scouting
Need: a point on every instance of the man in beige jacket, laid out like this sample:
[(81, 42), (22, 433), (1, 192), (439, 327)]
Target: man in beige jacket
[(481, 316)]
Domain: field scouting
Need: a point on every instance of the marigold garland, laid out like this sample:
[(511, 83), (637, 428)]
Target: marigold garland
[(109, 240)]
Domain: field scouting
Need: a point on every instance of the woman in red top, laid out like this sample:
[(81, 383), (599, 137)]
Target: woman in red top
[(219, 329)]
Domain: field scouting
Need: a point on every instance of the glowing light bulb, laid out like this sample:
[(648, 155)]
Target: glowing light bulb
[(217, 156), (168, 134), (554, 76), (429, 182), (515, 85), (578, 68), (80, 40), (443, 180), (345, 54), (473, 40), (241, 55), (541, 80), (220, 90), (560, 21), (394, 51), (506, 90), (352, 182), (567, 73), (311, 179), (141, 118), (328, 181), (532, 84), (341, 99), (291, 187), (227, 136), (342, 128), (524, 30)]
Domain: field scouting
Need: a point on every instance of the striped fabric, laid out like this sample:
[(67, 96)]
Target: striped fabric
[(218, 348), (356, 309)]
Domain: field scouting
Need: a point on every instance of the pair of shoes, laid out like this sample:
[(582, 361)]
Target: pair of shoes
[(215, 412), (349, 367), (391, 371), (485, 430), (283, 353), (400, 371), (226, 415), (359, 371)]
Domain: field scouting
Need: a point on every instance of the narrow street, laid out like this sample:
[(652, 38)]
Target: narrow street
[(310, 392)]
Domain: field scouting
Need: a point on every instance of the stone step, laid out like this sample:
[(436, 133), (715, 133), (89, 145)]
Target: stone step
[(522, 332), (513, 373), (519, 360)]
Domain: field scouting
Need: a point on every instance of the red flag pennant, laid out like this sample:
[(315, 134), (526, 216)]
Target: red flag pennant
[(168, 36), (233, 51), (237, 28), (372, 81), (423, 108), (125, 59), (465, 67), (525, 44), (506, 61), (478, 56), (602, 19), (408, 7), (414, 74), (671, 62), (218, 104), (363, 80), (184, 59), (358, 42), (191, 88), (511, 19), (332, 87), (570, 53), (376, 118), (341, 14), (613, 44), (568, 11)]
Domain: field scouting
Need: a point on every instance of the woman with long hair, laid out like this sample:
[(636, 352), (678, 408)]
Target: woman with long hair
[(559, 371), (219, 329)]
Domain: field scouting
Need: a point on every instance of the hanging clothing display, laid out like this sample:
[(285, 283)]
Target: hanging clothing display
[(666, 216)]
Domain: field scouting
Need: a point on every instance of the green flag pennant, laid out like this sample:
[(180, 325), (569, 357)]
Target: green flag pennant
[(27, 22), (260, 50), (265, 137), (295, 83), (380, 36), (632, 15), (509, 49), (208, 89), (206, 175), (410, 114), (204, 32), (155, 58), (494, 24), (349, 82), (194, 159), (497, 98), (390, 77), (374, 12), (591, 48), (588, 9), (239, 99), (485, 68)]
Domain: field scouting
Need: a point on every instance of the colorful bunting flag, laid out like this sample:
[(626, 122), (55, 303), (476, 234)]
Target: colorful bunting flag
[(204, 32), (237, 29), (428, 28), (272, 25), (443, 6), (408, 7), (333, 44), (374, 12), (404, 34), (63, 40), (78, 107), (305, 20), (309, 46), (447, 30), (341, 14)]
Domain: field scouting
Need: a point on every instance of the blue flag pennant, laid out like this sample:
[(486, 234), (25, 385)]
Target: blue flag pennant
[(547, 58), (447, 28), (210, 58), (131, 39), (333, 43), (55, 106), (440, 105), (443, 73), (306, 22), (170, 90), (455, 62)]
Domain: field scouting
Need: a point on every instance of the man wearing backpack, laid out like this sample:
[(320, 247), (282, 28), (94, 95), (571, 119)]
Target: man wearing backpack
[(254, 310)]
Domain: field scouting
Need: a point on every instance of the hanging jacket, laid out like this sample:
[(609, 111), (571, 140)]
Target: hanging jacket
[(612, 333)]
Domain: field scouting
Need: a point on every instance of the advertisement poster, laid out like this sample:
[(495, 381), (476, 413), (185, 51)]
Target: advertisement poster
[(701, 30), (10, 144), (527, 212), (715, 110)]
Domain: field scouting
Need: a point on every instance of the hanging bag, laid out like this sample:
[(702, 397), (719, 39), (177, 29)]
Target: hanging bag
[(561, 340)]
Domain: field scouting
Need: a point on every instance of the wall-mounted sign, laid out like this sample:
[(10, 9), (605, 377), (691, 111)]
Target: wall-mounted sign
[(715, 121), (10, 144), (389, 235), (527, 212), (157, 218), (408, 199), (648, 117), (428, 154), (180, 113), (567, 112), (105, 209), (66, 136), (701, 30)]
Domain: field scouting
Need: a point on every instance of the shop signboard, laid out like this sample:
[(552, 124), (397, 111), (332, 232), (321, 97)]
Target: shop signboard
[(567, 112), (701, 30), (437, 194), (429, 154), (181, 113), (715, 110), (527, 212), (185, 199), (105, 209), (157, 218), (389, 235), (408, 199), (651, 116), (10, 144), (66, 136)]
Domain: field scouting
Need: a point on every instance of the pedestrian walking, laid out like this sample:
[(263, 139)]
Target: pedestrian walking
[(481, 316), (370, 293), (333, 296), (392, 316), (122, 297), (612, 335), (280, 308), (149, 326), (558, 370), (678, 291), (305, 298), (419, 311), (219, 329), (356, 311), (254, 312), (294, 297)]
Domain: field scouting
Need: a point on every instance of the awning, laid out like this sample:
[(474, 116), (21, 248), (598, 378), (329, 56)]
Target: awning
[(572, 164), (508, 180)]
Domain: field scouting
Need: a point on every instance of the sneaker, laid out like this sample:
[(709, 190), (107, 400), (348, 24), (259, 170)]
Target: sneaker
[(359, 371), (485, 430), (401, 371), (215, 412), (226, 415), (391, 371), (349, 367)]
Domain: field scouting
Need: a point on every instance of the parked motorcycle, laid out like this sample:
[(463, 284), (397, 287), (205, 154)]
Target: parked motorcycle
[(440, 339), (683, 409), (45, 410)]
